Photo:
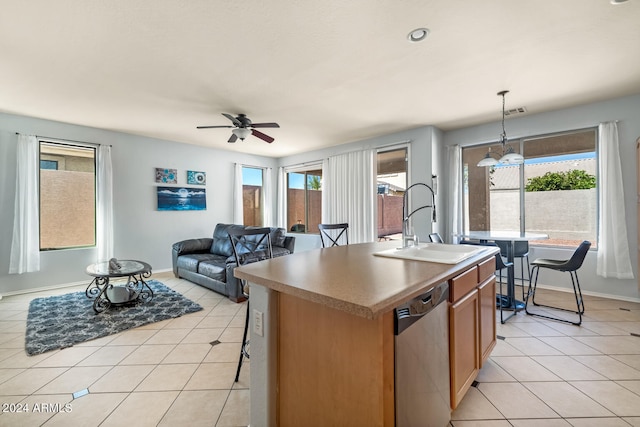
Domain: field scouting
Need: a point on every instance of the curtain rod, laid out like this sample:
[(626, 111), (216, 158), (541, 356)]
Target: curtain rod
[(315, 162), (67, 140)]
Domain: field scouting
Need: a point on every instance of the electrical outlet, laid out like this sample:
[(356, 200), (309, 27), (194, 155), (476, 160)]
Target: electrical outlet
[(258, 318)]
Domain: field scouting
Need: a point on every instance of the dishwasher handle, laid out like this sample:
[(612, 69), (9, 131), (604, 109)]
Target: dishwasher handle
[(413, 310)]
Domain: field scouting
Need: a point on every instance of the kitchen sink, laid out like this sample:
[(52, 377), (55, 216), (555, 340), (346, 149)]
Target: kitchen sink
[(434, 252)]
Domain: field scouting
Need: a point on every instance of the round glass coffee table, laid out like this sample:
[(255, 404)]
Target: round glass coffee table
[(134, 290)]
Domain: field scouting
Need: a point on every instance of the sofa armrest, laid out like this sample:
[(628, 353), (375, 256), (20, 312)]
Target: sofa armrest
[(193, 245), (289, 243), (189, 246)]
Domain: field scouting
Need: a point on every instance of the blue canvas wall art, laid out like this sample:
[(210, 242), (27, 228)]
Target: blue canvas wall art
[(195, 177), (167, 176), (182, 199)]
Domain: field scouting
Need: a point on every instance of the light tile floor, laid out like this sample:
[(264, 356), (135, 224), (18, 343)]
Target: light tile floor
[(548, 373), (541, 373)]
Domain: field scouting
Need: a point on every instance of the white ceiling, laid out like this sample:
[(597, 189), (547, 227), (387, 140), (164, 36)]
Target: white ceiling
[(329, 72)]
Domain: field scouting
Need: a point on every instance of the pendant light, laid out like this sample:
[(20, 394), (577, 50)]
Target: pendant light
[(509, 157)]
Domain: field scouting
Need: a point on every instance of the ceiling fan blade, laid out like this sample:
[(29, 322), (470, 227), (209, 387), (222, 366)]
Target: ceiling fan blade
[(265, 125), (233, 138), (233, 119), (211, 127), (262, 136)]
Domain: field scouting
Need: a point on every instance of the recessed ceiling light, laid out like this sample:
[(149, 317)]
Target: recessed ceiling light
[(617, 1), (418, 35)]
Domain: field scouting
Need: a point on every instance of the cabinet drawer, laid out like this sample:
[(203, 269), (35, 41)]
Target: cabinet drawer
[(486, 269), (463, 284)]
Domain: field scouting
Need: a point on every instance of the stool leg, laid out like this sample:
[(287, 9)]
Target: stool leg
[(244, 342), (531, 291)]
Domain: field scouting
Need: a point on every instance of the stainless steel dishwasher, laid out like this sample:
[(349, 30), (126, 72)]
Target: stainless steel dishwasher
[(422, 360)]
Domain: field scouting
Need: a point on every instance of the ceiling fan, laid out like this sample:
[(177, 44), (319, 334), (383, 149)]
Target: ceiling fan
[(243, 127)]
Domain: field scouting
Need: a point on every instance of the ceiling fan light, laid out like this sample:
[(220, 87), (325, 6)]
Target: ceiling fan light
[(487, 161), (241, 133)]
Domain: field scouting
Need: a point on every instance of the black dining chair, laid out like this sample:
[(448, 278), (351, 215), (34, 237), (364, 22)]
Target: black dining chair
[(249, 245), (336, 234), (570, 266), (520, 250)]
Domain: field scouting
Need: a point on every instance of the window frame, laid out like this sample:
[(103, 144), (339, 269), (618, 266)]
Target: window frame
[(302, 169), (520, 144), (262, 202), (72, 145)]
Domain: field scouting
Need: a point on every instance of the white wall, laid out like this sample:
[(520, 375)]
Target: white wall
[(141, 232), (423, 144), (144, 233), (627, 111)]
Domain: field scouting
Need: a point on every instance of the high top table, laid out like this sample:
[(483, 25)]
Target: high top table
[(507, 236)]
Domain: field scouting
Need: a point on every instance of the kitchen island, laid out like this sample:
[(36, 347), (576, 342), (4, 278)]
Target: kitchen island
[(322, 338)]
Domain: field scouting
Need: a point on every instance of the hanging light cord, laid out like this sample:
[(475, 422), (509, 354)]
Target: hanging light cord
[(503, 137)]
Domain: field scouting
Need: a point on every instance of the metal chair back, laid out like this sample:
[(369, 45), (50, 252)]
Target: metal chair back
[(335, 234)]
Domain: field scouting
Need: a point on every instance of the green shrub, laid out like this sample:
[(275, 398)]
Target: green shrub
[(571, 180)]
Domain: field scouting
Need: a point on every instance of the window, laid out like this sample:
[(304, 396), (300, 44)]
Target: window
[(554, 192), (252, 196), (67, 196), (392, 183), (304, 200)]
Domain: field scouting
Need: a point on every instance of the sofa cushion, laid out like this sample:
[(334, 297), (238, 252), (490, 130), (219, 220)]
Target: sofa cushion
[(278, 251), (246, 258), (190, 262), (221, 243), (213, 269), (277, 235)]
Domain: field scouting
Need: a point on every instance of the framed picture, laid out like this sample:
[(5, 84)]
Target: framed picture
[(182, 199), (166, 176), (195, 177)]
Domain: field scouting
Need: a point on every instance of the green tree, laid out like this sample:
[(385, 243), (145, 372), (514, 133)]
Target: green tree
[(570, 180), (313, 181)]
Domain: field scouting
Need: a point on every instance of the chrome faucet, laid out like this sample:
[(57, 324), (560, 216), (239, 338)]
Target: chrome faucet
[(406, 237)]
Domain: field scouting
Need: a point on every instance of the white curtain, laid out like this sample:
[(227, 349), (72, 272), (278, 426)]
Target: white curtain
[(267, 198), (238, 217), (613, 258), (348, 193), (281, 211), (104, 205), (453, 228), (25, 245)]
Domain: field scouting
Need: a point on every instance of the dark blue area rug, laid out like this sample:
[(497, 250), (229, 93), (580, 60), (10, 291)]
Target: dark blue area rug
[(64, 320)]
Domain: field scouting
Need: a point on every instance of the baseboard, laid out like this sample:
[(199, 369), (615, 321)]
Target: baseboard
[(591, 294), (53, 287)]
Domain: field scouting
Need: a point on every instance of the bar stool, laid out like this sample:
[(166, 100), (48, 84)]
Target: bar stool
[(435, 238), (571, 266), (249, 245), (333, 233), (500, 299), (520, 250)]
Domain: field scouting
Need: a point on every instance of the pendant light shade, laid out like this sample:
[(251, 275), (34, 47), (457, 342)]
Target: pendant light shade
[(487, 161), (509, 156)]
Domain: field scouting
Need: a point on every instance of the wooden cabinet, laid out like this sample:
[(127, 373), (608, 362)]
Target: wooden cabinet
[(463, 345), (472, 325), (487, 318)]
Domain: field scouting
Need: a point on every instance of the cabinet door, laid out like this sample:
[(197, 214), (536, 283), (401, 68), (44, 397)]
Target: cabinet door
[(463, 345), (487, 303)]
